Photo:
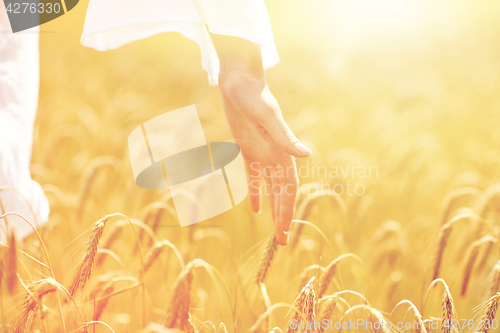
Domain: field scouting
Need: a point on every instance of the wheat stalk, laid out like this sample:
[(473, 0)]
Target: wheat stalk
[(2, 273), (85, 269), (485, 201), (88, 179), (376, 316), (306, 274), (155, 251), (191, 327), (330, 271), (451, 199), (114, 233), (305, 207), (222, 328), (489, 313), (100, 305), (266, 259), (153, 254), (303, 211), (470, 260), (327, 309), (485, 256), (447, 316), (11, 265), (156, 222), (178, 313), (31, 298), (305, 304), (418, 320), (326, 278), (444, 235), (369, 323), (495, 279)]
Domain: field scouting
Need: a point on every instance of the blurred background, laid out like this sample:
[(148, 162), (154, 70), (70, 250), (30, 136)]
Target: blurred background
[(411, 87)]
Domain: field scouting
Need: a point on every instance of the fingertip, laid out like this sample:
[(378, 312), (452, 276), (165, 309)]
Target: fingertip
[(255, 205), (282, 237), (286, 215), (302, 149)]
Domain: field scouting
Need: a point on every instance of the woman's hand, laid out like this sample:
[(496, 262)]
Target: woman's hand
[(267, 143)]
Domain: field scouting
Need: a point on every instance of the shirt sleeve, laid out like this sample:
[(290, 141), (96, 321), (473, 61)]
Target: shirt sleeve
[(19, 82), (110, 24)]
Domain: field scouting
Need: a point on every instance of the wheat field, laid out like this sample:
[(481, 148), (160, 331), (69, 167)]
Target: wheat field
[(417, 104)]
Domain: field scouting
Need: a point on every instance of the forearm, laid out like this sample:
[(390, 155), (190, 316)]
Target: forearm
[(237, 55)]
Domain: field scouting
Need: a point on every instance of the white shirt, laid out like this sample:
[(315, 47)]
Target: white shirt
[(19, 80), (109, 24), (112, 23)]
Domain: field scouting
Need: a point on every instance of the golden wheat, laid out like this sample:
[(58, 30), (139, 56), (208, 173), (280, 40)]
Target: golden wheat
[(85, 269), (470, 260), (327, 309), (495, 279), (178, 307), (448, 312), (266, 259), (489, 314), (11, 265), (426, 117), (305, 305), (31, 300), (444, 234)]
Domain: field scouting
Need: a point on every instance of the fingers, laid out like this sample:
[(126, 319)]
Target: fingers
[(254, 185), (273, 190), (281, 236), (272, 121), (267, 172), (289, 187)]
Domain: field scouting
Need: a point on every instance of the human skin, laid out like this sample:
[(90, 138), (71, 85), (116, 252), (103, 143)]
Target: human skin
[(254, 116)]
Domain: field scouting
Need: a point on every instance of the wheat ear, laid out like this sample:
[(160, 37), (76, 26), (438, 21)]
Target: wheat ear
[(11, 265), (153, 254), (85, 269), (178, 313), (447, 316), (305, 303), (443, 237), (495, 279), (470, 260), (32, 299), (327, 309), (486, 255), (266, 259), (330, 272), (2, 272), (489, 313)]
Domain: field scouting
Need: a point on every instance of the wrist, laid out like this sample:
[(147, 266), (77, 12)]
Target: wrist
[(238, 56)]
